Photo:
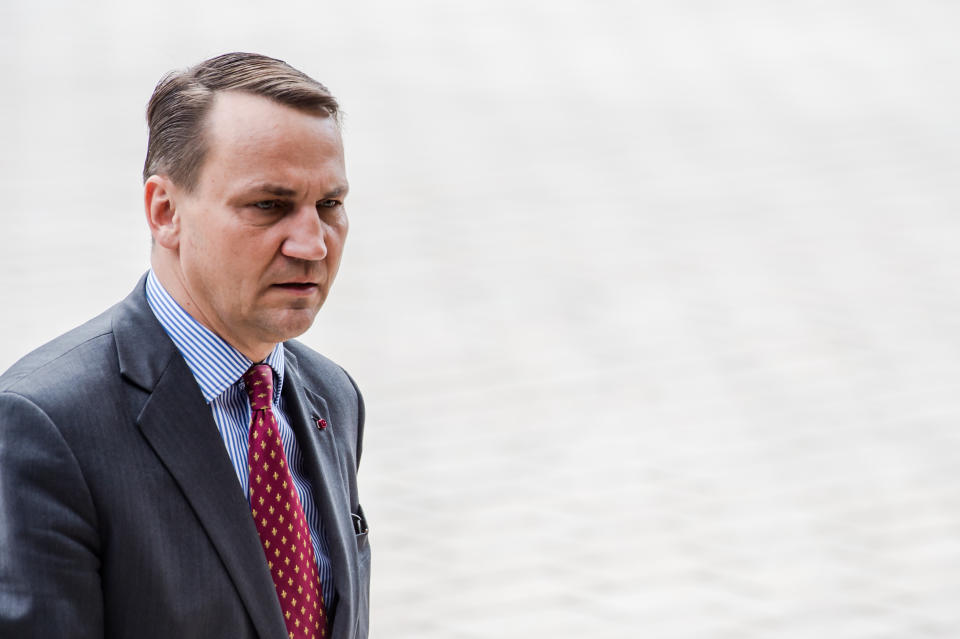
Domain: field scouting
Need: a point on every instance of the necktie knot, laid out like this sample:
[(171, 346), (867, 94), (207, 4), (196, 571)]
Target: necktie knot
[(259, 383)]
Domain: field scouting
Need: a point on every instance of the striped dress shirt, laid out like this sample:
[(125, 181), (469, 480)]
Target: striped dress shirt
[(218, 368)]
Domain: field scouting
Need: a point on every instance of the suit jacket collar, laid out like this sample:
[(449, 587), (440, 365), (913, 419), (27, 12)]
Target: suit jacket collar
[(323, 461), (178, 424)]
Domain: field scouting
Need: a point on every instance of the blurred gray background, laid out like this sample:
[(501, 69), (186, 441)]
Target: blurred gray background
[(655, 304)]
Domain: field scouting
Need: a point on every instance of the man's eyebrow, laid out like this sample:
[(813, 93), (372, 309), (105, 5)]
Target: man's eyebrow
[(273, 189), (337, 192), (282, 191)]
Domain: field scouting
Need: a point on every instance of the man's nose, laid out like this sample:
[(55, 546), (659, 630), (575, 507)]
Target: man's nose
[(306, 235)]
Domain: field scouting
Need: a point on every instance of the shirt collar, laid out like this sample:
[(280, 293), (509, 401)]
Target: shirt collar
[(215, 364)]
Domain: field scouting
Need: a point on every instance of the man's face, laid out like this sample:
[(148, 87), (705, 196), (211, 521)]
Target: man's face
[(261, 235)]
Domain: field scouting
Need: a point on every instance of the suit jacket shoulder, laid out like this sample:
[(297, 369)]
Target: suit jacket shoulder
[(60, 363)]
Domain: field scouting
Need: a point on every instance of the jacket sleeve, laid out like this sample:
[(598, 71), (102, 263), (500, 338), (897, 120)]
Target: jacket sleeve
[(49, 546)]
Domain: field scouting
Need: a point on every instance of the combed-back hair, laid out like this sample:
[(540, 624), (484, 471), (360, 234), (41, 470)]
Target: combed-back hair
[(179, 105)]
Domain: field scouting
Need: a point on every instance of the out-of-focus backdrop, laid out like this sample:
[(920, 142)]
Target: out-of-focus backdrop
[(655, 304)]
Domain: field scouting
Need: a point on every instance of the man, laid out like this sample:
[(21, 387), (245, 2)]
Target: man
[(177, 467)]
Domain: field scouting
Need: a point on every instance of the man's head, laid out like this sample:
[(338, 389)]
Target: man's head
[(244, 187)]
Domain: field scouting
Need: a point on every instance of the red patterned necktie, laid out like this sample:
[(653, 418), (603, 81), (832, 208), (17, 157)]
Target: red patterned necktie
[(276, 509)]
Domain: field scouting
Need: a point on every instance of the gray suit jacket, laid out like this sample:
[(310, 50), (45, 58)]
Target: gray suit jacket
[(120, 512)]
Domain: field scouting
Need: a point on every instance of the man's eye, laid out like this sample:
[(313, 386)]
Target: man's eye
[(271, 205), (328, 204)]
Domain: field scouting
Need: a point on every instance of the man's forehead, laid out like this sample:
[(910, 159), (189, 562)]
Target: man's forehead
[(255, 142), (242, 114)]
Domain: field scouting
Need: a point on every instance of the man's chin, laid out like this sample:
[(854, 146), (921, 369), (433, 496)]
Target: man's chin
[(288, 324)]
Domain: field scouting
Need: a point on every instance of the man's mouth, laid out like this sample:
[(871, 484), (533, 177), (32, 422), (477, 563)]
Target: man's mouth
[(298, 287)]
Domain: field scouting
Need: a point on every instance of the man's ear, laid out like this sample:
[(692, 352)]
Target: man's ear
[(161, 209)]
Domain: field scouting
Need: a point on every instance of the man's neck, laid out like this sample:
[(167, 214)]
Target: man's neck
[(171, 278)]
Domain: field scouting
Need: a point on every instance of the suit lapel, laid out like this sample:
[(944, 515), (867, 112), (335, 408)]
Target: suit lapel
[(179, 425), (322, 461)]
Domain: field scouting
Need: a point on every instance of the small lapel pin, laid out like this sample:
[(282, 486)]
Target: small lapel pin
[(321, 422)]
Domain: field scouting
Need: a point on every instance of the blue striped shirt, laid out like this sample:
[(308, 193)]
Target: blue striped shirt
[(218, 368)]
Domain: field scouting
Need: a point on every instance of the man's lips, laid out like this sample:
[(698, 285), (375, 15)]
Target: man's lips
[(297, 287)]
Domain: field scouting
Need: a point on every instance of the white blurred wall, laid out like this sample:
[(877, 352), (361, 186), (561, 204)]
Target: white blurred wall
[(654, 303)]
